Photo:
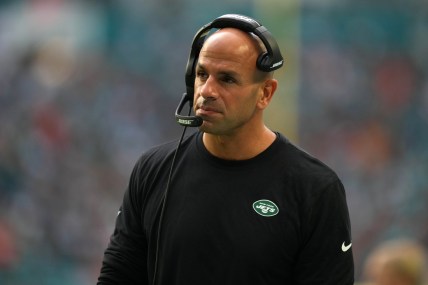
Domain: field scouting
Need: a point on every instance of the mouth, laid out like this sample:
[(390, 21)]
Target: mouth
[(203, 110)]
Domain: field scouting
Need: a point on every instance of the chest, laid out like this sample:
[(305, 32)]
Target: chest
[(247, 217)]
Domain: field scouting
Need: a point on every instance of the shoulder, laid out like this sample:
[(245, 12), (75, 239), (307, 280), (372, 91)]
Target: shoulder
[(152, 167), (300, 163), (160, 156), (310, 177), (165, 150)]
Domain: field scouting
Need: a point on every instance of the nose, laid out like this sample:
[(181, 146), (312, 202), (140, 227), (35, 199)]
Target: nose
[(207, 89)]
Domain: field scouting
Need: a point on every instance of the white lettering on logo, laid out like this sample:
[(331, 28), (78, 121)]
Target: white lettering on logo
[(185, 122), (276, 64), (265, 209)]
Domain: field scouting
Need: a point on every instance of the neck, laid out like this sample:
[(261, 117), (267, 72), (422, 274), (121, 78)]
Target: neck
[(239, 146)]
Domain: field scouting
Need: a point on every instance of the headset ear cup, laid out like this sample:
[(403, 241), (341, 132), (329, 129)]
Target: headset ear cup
[(264, 62)]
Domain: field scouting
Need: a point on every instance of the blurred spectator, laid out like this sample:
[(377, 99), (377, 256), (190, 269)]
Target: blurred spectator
[(397, 262)]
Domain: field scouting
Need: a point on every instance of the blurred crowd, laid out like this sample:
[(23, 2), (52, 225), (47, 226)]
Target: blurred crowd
[(364, 110), (87, 86)]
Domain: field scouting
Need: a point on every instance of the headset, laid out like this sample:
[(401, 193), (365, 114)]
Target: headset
[(267, 61)]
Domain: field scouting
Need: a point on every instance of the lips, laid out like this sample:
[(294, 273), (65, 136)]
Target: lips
[(205, 110)]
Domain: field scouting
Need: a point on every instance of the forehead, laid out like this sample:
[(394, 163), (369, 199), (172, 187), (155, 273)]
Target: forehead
[(230, 46)]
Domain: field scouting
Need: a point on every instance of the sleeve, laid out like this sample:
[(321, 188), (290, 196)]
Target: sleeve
[(125, 259), (326, 256)]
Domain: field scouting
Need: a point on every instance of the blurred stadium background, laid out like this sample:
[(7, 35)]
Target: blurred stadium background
[(86, 86)]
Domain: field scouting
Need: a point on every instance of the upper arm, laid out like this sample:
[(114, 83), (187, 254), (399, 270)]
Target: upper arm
[(125, 259), (322, 259)]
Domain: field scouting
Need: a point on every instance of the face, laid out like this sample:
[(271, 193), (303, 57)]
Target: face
[(228, 88)]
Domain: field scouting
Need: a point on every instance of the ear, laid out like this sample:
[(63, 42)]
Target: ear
[(268, 89)]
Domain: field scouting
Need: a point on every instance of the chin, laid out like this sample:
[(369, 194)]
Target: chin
[(213, 129), (207, 128), (204, 128)]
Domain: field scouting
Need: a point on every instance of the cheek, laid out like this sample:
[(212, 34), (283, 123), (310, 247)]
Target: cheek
[(251, 100), (243, 108), (195, 99)]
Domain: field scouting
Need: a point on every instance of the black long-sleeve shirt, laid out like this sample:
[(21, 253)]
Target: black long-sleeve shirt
[(278, 218)]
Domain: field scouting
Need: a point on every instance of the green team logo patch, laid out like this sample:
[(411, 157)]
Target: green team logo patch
[(265, 208)]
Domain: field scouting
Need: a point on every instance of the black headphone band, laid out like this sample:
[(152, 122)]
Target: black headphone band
[(269, 61)]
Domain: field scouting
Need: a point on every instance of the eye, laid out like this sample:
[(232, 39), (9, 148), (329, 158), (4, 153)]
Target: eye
[(228, 79), (202, 75)]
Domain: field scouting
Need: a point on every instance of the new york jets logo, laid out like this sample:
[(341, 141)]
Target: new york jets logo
[(265, 208)]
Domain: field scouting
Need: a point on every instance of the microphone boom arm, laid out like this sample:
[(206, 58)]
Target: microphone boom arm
[(187, 121)]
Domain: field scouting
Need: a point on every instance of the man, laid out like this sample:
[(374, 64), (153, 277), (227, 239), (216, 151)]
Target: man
[(244, 206)]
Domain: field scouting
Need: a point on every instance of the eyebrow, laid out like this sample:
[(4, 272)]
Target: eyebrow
[(221, 72)]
